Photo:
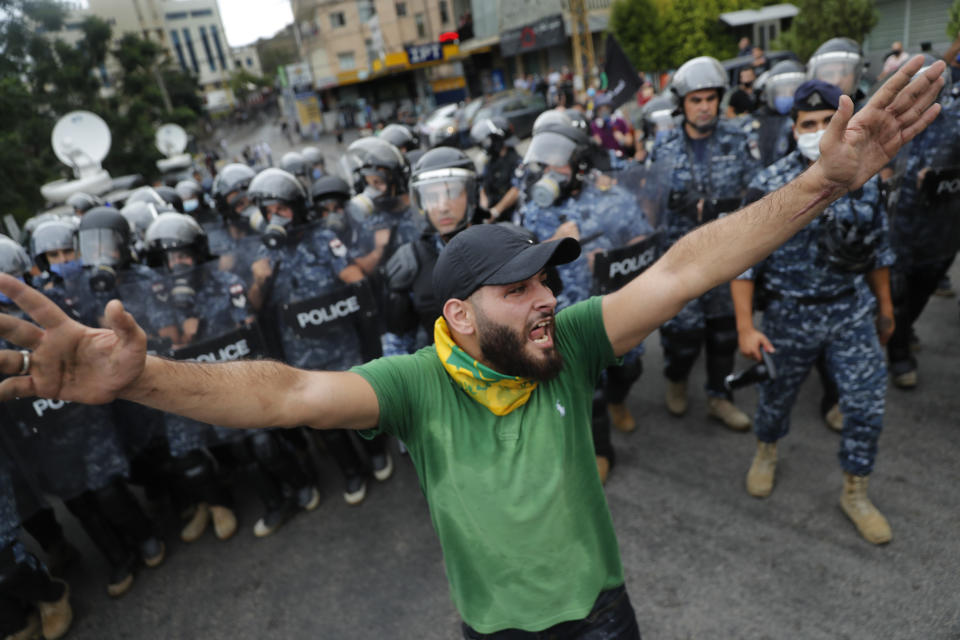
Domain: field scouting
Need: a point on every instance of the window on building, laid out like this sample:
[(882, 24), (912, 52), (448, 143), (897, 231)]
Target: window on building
[(444, 12), (421, 25), (346, 61), (176, 15), (206, 48), (366, 9), (338, 19), (175, 39), (200, 13), (73, 26), (216, 45), (238, 64), (193, 54), (250, 62), (372, 54), (401, 9)]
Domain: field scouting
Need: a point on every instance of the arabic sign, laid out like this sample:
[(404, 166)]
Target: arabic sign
[(546, 32)]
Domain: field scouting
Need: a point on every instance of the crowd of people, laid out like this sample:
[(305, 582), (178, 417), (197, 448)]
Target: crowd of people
[(328, 267)]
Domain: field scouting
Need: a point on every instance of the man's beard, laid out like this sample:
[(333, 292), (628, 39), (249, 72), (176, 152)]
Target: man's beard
[(505, 350)]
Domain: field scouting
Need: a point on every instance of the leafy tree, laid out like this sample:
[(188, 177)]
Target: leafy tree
[(820, 20), (953, 22), (663, 34), (243, 83)]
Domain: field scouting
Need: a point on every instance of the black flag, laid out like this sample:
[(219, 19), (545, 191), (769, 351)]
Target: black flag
[(622, 80)]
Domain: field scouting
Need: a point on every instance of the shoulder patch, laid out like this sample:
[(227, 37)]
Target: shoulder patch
[(238, 296)]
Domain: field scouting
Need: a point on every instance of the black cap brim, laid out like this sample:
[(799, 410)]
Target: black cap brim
[(530, 261)]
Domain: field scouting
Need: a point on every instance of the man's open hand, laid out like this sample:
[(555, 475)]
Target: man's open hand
[(69, 361)]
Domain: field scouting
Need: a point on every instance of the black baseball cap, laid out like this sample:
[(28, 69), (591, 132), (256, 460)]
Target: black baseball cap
[(815, 95), (491, 254)]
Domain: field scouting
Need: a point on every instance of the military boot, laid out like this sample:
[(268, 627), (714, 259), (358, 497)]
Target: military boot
[(869, 521), (727, 413), (197, 524), (56, 617), (760, 476), (676, 397), (834, 418), (621, 417)]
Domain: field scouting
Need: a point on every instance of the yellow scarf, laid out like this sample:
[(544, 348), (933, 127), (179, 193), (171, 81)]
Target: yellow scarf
[(499, 393)]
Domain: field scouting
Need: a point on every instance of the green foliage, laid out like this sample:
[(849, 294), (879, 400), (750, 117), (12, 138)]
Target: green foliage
[(42, 78), (820, 20), (953, 22), (663, 34)]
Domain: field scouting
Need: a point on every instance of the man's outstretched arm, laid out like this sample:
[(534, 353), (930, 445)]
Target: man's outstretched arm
[(853, 149), (70, 361)]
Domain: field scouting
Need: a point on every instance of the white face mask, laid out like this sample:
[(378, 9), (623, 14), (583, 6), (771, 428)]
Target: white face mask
[(809, 144)]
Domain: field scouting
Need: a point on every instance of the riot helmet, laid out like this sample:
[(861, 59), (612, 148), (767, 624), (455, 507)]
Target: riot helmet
[(15, 262), (31, 225), (170, 196), (557, 159), (141, 215), (294, 163), (191, 194), (230, 192), (658, 116), (106, 245), (490, 133), (57, 237), (401, 136), (443, 187), (83, 202), (379, 171), (838, 61), (178, 244), (282, 200), (329, 195), (315, 161), (145, 194), (549, 118), (779, 85), (698, 74)]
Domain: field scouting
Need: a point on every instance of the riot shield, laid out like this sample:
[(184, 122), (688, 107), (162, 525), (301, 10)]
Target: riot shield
[(924, 202), (649, 183), (614, 268)]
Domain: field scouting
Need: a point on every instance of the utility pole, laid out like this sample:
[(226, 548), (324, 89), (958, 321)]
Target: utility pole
[(582, 43)]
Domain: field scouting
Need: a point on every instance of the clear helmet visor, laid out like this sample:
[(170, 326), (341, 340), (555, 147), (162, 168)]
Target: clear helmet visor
[(548, 149), (101, 247), (779, 89), (446, 196), (840, 68)]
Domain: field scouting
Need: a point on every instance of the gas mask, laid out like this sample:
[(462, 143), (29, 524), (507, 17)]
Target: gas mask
[(361, 204), (103, 279), (183, 293), (381, 200), (809, 144), (67, 270), (549, 188), (276, 230)]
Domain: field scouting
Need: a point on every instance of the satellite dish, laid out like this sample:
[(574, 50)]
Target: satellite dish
[(171, 139), (81, 140)]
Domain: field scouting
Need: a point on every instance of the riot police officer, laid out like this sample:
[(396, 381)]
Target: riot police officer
[(823, 287), (563, 198), (316, 165), (195, 202), (239, 218), (83, 202), (300, 282), (711, 163), (774, 133), (443, 186), (925, 228), (404, 138), (296, 165), (330, 195), (380, 174), (840, 62), (497, 193), (53, 247)]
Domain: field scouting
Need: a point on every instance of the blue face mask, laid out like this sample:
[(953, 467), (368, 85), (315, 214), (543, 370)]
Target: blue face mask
[(67, 270), (190, 205), (783, 104), (4, 300), (317, 173)]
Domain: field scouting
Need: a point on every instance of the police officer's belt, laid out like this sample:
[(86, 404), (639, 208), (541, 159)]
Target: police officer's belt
[(245, 342), (615, 268), (310, 318), (776, 295)]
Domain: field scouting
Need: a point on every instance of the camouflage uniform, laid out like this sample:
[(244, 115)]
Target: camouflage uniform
[(406, 226), (814, 307), (716, 169), (925, 227)]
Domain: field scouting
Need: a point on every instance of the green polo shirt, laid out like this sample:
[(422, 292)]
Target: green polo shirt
[(516, 501)]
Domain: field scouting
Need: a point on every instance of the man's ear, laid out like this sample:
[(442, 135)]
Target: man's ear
[(459, 316)]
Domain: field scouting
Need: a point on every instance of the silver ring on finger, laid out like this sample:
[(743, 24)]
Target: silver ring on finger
[(25, 367)]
